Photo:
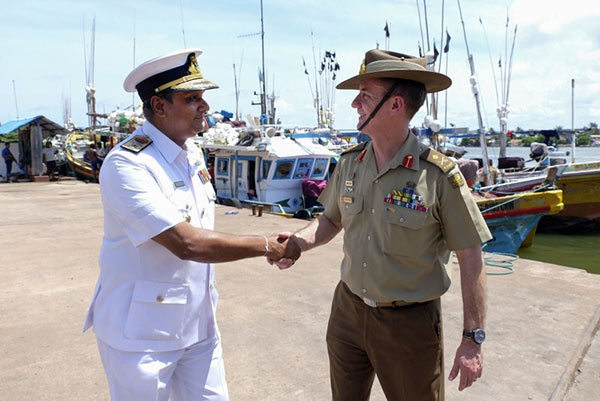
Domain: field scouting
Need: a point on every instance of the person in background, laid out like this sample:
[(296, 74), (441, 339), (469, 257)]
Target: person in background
[(154, 306), (403, 208), (468, 168), (91, 156), (49, 158), (8, 160)]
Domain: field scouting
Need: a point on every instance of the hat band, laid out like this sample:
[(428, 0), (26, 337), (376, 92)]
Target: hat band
[(177, 82), (391, 65)]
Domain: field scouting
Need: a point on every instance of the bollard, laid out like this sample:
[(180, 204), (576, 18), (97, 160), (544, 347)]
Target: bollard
[(260, 210)]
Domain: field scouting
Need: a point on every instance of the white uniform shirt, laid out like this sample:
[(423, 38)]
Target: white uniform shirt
[(146, 298), (50, 153)]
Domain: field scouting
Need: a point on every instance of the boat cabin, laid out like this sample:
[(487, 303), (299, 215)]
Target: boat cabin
[(269, 171)]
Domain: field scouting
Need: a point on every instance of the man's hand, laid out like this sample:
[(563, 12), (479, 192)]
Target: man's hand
[(469, 362), (283, 250), (285, 262)]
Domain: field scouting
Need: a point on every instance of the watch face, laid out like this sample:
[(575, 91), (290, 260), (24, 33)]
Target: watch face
[(479, 336)]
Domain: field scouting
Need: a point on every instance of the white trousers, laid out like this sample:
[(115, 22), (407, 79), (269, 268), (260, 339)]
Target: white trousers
[(191, 374)]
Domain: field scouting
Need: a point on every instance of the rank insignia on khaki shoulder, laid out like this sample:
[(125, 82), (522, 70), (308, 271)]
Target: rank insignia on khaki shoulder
[(136, 143), (438, 159), (456, 180)]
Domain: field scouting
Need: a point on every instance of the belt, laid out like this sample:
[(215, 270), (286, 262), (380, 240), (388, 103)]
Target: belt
[(392, 304)]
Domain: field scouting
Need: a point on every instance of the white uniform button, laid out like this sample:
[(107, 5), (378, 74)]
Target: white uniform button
[(346, 206), (376, 181), (364, 265), (401, 219), (369, 237), (372, 210), (211, 285), (364, 291)]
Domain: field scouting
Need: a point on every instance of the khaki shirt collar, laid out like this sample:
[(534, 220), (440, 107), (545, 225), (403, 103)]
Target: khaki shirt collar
[(407, 156)]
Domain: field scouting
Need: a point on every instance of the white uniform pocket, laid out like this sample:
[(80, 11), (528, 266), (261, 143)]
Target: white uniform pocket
[(156, 311)]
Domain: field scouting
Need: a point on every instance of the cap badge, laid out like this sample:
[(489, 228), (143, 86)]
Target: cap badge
[(363, 67)]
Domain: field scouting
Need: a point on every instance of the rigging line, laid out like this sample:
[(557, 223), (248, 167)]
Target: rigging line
[(491, 61), (512, 50), (426, 24)]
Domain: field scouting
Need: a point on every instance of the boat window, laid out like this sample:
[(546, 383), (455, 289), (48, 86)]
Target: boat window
[(222, 166), (239, 169), (284, 169), (320, 166), (303, 168), (266, 167)]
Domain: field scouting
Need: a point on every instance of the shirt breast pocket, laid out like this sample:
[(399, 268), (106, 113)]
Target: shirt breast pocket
[(405, 232), (350, 208), (156, 311)]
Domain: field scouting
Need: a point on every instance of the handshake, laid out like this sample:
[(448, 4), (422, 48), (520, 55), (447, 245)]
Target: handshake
[(283, 250)]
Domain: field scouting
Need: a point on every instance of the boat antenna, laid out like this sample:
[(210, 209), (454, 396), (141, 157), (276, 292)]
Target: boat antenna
[(182, 27), (475, 90), (15, 93)]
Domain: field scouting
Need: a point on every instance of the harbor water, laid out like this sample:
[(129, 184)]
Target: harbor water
[(572, 250)]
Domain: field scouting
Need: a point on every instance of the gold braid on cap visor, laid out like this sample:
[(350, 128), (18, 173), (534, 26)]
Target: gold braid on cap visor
[(194, 71)]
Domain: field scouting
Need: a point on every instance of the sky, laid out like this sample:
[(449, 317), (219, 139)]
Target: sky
[(42, 57)]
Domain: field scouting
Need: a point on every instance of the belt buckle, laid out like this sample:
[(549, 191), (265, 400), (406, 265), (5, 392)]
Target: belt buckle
[(370, 302)]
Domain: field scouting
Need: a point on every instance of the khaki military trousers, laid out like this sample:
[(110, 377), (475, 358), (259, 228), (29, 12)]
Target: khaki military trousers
[(401, 345)]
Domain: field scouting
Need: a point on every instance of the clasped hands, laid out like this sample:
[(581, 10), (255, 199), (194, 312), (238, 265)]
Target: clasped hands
[(284, 250)]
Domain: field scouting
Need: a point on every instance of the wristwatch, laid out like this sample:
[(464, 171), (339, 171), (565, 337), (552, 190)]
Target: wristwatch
[(476, 335)]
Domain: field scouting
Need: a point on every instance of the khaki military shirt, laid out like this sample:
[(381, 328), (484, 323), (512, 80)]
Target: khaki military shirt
[(401, 223)]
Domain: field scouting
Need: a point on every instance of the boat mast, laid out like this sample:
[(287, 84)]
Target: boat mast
[(263, 103), (475, 90), (572, 120)]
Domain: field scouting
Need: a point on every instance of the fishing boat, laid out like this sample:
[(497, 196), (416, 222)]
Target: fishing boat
[(579, 183), (265, 169), (513, 219)]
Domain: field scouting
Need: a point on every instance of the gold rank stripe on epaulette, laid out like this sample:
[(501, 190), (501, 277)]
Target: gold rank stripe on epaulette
[(356, 148), (136, 143), (456, 180), (436, 158)]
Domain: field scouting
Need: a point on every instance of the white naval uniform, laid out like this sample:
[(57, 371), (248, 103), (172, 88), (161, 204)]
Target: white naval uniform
[(147, 300)]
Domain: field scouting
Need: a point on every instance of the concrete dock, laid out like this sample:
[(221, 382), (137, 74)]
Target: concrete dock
[(542, 324)]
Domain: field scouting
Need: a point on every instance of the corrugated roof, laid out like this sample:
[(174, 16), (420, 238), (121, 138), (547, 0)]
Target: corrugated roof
[(47, 125)]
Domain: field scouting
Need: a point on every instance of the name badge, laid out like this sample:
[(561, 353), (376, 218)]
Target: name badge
[(347, 199), (179, 184)]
